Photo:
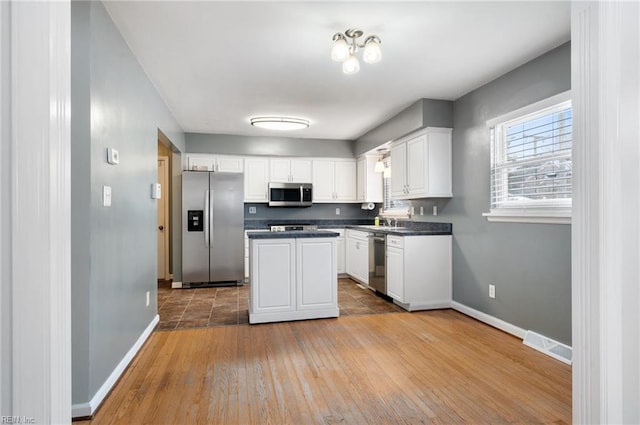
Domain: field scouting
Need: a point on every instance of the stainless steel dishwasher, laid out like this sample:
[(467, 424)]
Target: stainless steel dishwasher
[(378, 262)]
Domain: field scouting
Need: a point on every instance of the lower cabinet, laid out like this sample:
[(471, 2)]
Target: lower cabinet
[(340, 250), (357, 255), (292, 279), (419, 275)]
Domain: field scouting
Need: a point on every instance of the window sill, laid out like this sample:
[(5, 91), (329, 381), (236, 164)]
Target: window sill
[(537, 217)]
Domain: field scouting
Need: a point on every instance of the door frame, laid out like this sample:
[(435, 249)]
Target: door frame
[(165, 201)]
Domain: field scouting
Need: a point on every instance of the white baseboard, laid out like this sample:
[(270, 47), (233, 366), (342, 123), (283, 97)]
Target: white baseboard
[(88, 409), (489, 320), (176, 285)]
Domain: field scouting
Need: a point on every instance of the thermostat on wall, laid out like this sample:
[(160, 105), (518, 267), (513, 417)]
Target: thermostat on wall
[(112, 156)]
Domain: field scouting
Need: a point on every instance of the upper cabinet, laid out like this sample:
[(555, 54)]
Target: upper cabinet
[(256, 179), (284, 170), (368, 181), (421, 165), (218, 163), (334, 180)]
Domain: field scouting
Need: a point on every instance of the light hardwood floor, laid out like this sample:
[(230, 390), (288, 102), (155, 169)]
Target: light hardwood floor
[(422, 367)]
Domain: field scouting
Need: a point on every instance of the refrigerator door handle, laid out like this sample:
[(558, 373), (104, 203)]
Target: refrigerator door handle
[(206, 218), (210, 207)]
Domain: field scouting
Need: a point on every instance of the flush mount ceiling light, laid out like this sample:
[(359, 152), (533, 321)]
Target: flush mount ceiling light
[(279, 123), (345, 47)]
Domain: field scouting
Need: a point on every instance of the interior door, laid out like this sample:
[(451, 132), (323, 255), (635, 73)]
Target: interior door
[(163, 218)]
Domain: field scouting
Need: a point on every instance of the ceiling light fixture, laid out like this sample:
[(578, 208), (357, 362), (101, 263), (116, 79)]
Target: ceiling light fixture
[(280, 123), (345, 47)]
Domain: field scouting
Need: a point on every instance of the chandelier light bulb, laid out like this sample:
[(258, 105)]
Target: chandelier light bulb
[(346, 46), (351, 65), (340, 50), (372, 52)]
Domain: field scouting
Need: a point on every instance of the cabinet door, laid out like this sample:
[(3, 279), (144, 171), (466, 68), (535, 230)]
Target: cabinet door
[(439, 167), (273, 277), (395, 273), (301, 171), (340, 254), (398, 170), (351, 257), (417, 166), (229, 164), (345, 181), (361, 169), (316, 273), (323, 181), (256, 180), (279, 170), (362, 253), (340, 250), (200, 163)]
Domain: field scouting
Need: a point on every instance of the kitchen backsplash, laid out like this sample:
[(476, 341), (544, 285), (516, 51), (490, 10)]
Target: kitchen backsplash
[(314, 212)]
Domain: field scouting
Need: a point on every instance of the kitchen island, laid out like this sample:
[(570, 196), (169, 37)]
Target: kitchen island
[(293, 275)]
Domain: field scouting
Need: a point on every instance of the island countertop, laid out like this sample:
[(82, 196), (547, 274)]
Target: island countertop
[(293, 234)]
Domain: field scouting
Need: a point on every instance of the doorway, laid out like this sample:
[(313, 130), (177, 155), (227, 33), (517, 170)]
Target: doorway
[(164, 221)]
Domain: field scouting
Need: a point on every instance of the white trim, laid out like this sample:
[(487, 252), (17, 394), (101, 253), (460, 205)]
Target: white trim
[(40, 210), (88, 409), (534, 107), (489, 320), (424, 305), (176, 285), (550, 217)]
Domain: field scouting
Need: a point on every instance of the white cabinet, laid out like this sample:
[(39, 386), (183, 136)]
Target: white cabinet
[(419, 271), (340, 250), (256, 179), (273, 276), (292, 279), (357, 255), (219, 163), (334, 180), (368, 181), (290, 170), (421, 165)]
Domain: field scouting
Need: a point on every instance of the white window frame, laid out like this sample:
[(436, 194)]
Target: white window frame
[(543, 211)]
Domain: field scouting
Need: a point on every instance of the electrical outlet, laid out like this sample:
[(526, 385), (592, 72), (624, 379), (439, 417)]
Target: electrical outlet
[(148, 299), (492, 291), (435, 210), (252, 210), (421, 210), (337, 211), (413, 211)]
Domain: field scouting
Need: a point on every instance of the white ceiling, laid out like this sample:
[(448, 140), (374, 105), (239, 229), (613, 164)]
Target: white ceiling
[(218, 63)]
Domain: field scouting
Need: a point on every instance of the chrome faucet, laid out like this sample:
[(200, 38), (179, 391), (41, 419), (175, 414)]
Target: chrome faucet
[(395, 223)]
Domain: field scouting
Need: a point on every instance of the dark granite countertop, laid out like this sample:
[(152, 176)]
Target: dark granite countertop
[(293, 234), (410, 228), (251, 224)]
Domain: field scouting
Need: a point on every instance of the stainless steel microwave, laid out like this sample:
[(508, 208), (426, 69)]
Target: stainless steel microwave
[(290, 194)]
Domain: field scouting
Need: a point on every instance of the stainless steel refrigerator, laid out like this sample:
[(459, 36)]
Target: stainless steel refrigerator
[(212, 228)]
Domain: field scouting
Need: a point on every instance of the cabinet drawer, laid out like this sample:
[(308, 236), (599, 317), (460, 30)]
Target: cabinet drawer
[(357, 234), (395, 241)]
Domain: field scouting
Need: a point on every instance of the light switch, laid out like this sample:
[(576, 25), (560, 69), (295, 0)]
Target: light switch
[(106, 196), (156, 191), (112, 156)]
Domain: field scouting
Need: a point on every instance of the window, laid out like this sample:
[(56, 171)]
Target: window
[(392, 207), (531, 169)]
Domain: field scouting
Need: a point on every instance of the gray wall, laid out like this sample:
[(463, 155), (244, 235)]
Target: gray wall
[(113, 248), (423, 113), (530, 264), (271, 146)]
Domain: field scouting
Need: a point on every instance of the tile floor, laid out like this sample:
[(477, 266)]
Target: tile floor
[(223, 306)]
